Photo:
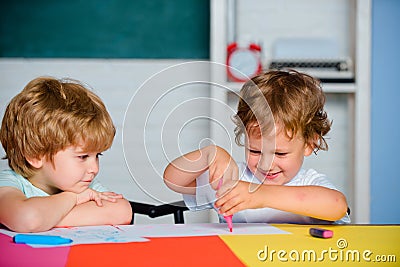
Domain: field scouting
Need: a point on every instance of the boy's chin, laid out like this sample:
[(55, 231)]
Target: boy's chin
[(79, 190)]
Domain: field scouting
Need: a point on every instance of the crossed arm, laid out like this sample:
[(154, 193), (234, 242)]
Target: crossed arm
[(35, 214), (234, 195)]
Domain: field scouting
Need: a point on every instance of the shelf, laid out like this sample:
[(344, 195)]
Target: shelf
[(327, 87), (339, 87)]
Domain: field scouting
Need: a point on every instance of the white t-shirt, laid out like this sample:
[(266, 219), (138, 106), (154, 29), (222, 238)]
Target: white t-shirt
[(205, 199), (13, 179)]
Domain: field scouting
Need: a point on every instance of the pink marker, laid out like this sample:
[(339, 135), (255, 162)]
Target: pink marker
[(319, 232), (228, 219)]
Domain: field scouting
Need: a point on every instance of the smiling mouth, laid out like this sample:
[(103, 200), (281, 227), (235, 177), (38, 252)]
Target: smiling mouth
[(271, 176)]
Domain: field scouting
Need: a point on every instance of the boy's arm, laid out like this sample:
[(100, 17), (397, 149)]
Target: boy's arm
[(180, 175), (313, 201), (36, 214), (111, 213), (22, 214)]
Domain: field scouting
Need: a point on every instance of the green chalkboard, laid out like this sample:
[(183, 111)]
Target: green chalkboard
[(105, 28)]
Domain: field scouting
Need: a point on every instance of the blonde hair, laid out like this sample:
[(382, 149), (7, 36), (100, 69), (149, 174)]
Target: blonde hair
[(295, 100), (49, 115)]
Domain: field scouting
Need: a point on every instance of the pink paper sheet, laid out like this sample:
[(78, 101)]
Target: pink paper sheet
[(16, 255)]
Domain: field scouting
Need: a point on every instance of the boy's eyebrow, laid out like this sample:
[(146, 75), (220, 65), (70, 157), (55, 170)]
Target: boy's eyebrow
[(80, 150), (77, 149), (251, 148)]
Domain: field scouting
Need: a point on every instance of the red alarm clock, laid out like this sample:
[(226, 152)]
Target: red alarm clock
[(243, 63)]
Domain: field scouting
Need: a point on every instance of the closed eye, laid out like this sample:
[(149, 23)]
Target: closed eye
[(281, 154), (254, 151)]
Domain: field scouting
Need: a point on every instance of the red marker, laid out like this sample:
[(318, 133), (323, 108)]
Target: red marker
[(228, 219)]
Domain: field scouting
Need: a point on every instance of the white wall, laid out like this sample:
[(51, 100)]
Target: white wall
[(117, 82)]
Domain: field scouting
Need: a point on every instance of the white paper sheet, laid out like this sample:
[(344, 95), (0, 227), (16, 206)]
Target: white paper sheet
[(204, 229), (138, 233)]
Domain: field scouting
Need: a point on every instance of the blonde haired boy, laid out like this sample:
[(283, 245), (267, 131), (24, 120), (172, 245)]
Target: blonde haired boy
[(53, 133)]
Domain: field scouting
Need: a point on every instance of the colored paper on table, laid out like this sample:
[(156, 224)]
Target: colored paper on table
[(87, 235), (138, 233), (12, 254)]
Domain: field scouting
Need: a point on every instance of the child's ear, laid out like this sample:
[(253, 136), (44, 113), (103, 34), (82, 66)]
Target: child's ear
[(36, 163), (310, 146), (308, 149)]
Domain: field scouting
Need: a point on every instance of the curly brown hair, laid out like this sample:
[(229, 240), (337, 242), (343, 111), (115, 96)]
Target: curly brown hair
[(292, 99), (49, 115)]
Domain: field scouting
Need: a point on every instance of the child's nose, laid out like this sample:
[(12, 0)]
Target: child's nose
[(265, 162), (93, 167)]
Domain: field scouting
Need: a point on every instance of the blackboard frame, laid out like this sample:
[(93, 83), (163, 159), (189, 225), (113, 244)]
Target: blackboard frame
[(105, 29)]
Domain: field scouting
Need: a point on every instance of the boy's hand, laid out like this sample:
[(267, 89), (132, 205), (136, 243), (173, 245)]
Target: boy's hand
[(93, 195), (235, 196), (221, 166)]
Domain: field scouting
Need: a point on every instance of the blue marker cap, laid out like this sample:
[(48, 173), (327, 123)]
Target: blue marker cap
[(40, 239)]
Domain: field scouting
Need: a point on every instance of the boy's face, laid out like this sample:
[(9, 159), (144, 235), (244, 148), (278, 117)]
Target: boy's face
[(73, 171), (276, 165)]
